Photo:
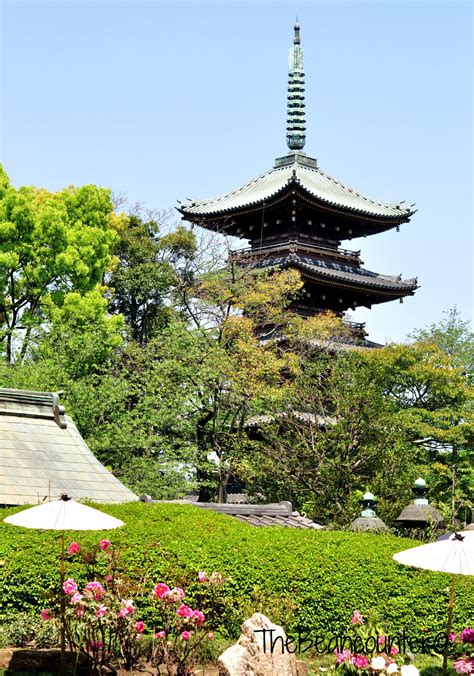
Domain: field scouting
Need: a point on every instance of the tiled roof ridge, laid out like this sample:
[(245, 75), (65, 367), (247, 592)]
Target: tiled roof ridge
[(32, 404), (296, 173)]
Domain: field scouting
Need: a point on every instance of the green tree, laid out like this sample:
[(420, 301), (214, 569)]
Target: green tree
[(150, 265), (50, 244)]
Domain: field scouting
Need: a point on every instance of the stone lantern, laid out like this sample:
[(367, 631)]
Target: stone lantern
[(368, 519), (419, 513)]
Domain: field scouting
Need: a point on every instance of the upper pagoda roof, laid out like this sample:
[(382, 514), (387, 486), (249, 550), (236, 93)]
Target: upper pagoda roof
[(296, 170)]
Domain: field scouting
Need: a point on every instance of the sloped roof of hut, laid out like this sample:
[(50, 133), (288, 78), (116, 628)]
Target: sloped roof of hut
[(43, 455)]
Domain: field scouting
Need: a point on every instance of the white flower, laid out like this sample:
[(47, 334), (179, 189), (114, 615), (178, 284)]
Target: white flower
[(378, 663), (392, 668), (409, 670)]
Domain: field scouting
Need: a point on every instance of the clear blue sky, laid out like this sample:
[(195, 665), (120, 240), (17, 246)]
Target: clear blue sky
[(168, 100)]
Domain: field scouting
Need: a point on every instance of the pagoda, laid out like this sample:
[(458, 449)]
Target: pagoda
[(296, 216)]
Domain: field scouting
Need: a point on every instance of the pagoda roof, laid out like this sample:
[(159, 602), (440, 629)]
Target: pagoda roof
[(342, 274), (297, 171)]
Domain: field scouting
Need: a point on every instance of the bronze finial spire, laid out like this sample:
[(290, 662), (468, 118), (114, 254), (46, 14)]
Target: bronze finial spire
[(296, 119)]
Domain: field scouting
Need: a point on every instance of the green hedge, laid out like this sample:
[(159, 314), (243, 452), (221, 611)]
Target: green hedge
[(310, 579)]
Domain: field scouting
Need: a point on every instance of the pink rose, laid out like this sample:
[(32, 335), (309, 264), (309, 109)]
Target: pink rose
[(202, 577), (46, 614), (96, 588), (462, 666), (95, 645), (70, 587), (467, 635), (104, 544), (360, 661), (74, 548), (101, 611), (139, 626), (185, 635), (160, 634), (175, 594), (345, 656), (210, 636), (198, 616), (393, 650), (184, 611), (160, 590), (357, 618), (452, 637), (127, 609), (75, 598)]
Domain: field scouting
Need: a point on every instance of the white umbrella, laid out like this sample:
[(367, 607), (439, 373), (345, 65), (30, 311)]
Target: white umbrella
[(63, 514), (453, 554)]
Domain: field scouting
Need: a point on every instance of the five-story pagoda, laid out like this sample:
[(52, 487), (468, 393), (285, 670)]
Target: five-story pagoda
[(295, 216)]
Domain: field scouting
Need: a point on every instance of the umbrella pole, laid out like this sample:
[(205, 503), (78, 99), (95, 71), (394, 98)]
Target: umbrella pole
[(63, 611), (448, 628)]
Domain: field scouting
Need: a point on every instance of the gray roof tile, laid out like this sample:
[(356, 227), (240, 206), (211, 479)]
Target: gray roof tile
[(321, 186)]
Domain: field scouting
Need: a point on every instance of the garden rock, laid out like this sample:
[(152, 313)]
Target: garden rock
[(251, 656), (32, 661)]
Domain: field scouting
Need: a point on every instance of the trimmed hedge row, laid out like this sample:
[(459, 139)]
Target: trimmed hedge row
[(307, 579)]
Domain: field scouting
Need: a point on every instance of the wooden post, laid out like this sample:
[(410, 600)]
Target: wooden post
[(448, 628), (63, 611)]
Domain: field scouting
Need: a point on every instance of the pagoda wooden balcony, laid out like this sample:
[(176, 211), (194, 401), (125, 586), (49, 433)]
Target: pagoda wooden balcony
[(295, 246)]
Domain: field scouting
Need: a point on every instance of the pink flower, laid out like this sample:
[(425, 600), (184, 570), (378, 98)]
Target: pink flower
[(140, 626), (75, 598), (452, 637), (184, 611), (342, 657), (210, 636), (462, 666), (46, 614), (160, 590), (381, 640), (198, 616), (104, 544), (467, 635), (185, 635), (101, 611), (74, 548), (95, 645), (175, 594), (70, 587), (357, 618), (109, 579), (360, 661), (393, 650), (160, 634), (202, 577), (127, 609), (96, 588)]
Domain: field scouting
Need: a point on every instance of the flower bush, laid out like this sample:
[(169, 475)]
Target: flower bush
[(103, 623), (181, 629), (463, 651), (365, 639)]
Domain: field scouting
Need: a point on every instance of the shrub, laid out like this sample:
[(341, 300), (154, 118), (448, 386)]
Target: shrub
[(306, 579)]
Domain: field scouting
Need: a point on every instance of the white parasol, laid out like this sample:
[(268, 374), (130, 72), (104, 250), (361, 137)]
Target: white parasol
[(452, 554), (63, 514)]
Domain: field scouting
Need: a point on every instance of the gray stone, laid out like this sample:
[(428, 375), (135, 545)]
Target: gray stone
[(252, 655)]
